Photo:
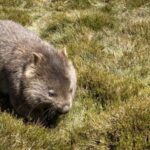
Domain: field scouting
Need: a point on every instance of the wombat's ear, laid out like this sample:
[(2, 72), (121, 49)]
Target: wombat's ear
[(36, 58), (64, 52)]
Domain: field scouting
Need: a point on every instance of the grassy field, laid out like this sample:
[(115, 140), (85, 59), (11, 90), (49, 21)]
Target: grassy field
[(109, 43)]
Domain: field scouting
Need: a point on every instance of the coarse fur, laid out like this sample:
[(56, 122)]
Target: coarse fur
[(39, 80)]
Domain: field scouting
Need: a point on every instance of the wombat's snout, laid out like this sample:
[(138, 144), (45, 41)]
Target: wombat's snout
[(63, 109)]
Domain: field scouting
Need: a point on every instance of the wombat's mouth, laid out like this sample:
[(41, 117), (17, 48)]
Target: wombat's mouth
[(47, 115), (51, 117), (53, 109)]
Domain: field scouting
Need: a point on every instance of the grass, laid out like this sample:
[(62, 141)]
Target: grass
[(136, 3), (17, 15), (109, 43)]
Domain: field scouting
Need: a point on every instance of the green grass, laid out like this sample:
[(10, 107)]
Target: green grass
[(109, 43), (136, 3), (17, 15)]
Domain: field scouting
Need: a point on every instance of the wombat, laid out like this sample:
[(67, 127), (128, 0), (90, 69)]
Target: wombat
[(40, 80)]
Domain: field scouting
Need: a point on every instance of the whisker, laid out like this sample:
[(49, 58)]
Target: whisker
[(34, 108)]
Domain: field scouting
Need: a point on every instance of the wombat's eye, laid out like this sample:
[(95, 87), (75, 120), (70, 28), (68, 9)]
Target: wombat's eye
[(70, 90), (52, 93)]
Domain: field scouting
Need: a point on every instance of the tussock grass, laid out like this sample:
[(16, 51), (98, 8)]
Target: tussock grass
[(132, 128), (140, 29), (19, 3), (109, 43), (97, 20), (136, 3), (17, 15), (83, 4), (108, 88)]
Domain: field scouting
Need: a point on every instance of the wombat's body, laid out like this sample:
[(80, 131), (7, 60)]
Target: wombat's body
[(38, 79)]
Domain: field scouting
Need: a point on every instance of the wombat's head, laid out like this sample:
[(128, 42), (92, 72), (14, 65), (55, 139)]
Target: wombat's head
[(49, 82)]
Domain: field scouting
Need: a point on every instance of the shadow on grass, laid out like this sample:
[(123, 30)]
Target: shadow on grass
[(5, 106)]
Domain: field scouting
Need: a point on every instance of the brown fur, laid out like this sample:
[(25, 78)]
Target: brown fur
[(39, 80)]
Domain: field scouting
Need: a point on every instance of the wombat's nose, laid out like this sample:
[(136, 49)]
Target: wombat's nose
[(64, 109)]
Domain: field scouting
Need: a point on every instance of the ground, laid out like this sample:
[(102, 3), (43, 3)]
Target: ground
[(109, 43)]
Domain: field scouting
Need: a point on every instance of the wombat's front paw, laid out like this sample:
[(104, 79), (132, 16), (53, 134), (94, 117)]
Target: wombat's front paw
[(4, 103)]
